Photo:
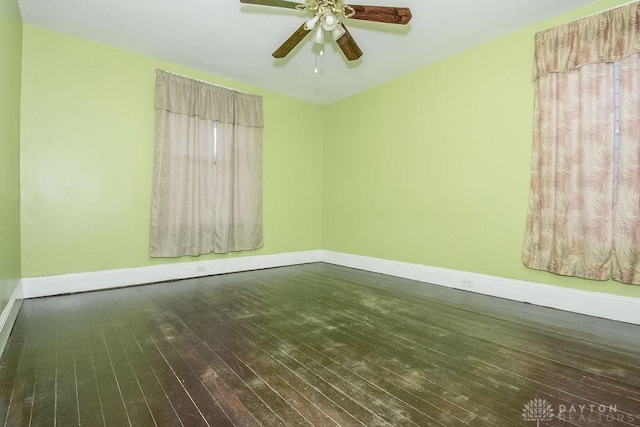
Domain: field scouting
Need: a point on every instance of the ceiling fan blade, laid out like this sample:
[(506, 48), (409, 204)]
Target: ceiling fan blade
[(275, 3), (389, 15), (291, 42), (347, 44)]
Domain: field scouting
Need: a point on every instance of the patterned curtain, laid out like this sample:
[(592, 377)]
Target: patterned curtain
[(207, 182), (579, 222), (569, 227)]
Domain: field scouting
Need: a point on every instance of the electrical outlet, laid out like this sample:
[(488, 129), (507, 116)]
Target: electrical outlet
[(465, 282), (201, 269)]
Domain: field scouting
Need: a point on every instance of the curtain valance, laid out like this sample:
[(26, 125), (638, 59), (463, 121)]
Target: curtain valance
[(182, 95), (606, 37)]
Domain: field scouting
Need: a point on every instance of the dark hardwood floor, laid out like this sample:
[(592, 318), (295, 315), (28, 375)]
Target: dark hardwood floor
[(313, 345)]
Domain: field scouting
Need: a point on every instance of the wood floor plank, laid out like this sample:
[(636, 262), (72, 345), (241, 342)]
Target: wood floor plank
[(90, 411), (89, 400), (20, 400), (44, 408), (111, 399)]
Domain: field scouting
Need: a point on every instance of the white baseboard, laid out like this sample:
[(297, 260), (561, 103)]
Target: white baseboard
[(10, 313), (624, 309), (34, 287)]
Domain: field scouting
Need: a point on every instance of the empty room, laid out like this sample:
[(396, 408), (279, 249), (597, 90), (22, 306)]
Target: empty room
[(319, 213)]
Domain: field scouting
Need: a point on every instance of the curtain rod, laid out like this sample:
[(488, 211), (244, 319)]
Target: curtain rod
[(203, 81), (611, 8), (594, 14)]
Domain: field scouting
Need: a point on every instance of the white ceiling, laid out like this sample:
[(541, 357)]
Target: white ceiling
[(236, 40)]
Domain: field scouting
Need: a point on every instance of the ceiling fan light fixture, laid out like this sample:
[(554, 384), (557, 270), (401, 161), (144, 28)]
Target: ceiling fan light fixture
[(311, 23), (329, 21)]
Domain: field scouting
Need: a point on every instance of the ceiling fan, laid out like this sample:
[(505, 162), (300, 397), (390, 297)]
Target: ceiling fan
[(326, 17)]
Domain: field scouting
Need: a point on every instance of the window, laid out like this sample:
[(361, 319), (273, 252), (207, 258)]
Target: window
[(207, 190)]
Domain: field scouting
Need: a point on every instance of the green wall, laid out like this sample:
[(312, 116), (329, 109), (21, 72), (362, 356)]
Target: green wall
[(87, 153), (433, 167), (10, 72)]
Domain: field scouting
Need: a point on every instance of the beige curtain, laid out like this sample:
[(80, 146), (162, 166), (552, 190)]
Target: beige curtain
[(626, 243), (207, 183), (574, 225)]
